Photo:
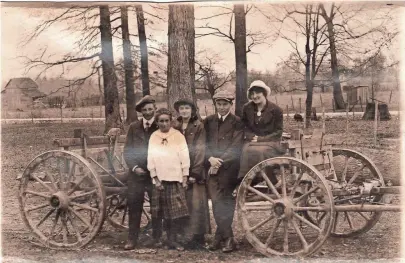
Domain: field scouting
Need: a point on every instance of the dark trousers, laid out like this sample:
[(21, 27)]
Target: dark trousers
[(137, 186), (223, 206)]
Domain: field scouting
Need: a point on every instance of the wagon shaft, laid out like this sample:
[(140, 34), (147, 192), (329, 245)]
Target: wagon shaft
[(368, 208)]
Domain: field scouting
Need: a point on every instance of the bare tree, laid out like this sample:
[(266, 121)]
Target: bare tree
[(211, 80), (112, 107), (128, 67), (180, 66), (238, 36), (144, 49)]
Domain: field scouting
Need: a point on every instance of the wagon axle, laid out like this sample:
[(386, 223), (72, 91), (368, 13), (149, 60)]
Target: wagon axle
[(60, 200)]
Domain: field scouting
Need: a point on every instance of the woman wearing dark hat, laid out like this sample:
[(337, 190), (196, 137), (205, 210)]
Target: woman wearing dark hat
[(197, 200), (263, 121)]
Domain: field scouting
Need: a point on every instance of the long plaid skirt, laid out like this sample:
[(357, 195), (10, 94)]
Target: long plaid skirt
[(169, 203)]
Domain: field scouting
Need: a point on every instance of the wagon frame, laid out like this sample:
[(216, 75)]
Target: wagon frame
[(301, 194)]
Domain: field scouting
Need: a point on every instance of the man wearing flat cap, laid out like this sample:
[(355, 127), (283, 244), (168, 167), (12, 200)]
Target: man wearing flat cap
[(135, 155), (224, 133)]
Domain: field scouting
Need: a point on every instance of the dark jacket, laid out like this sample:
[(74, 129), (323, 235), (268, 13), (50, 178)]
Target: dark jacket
[(195, 137), (136, 145), (270, 125), (226, 144)]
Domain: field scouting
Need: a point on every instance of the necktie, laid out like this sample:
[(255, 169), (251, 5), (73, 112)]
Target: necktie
[(220, 121), (147, 126)]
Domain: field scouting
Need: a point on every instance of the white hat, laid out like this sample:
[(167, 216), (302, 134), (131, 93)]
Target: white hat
[(260, 84)]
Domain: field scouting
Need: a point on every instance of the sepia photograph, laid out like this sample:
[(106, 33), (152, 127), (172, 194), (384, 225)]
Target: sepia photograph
[(205, 131)]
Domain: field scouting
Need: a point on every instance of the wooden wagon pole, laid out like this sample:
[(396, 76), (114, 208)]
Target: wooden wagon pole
[(375, 122)]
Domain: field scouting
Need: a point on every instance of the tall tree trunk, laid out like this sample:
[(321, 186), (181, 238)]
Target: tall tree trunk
[(180, 65), (308, 80), (128, 67), (337, 90), (144, 50), (112, 107), (100, 101), (240, 57)]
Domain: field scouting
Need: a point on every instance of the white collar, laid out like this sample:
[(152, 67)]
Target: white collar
[(224, 117), (148, 121)]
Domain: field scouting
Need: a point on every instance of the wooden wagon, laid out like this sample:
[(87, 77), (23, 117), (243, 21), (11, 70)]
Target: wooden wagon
[(287, 205)]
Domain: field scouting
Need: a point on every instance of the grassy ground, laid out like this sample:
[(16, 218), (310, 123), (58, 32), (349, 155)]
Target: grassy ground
[(206, 107), (21, 143)]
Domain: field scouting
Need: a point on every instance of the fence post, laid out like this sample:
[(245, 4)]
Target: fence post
[(61, 115), (347, 121), (361, 103), (390, 97), (333, 105), (299, 99), (292, 102), (288, 115), (375, 122), (32, 117)]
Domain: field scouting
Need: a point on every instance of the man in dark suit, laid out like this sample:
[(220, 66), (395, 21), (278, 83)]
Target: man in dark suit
[(135, 155), (224, 141)]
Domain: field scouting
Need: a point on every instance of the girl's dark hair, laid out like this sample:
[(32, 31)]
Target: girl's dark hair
[(162, 111), (258, 89)]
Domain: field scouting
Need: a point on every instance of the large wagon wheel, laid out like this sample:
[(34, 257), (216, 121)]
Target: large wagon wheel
[(117, 212), (354, 168), (62, 199), (272, 214)]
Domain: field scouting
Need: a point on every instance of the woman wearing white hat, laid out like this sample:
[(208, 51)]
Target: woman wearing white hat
[(263, 121)]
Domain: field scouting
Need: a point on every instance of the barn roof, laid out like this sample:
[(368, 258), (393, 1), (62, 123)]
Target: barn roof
[(26, 85)]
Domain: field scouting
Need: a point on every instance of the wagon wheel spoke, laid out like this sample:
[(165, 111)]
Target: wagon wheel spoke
[(349, 220), (78, 183), (36, 207), (304, 220), (336, 222), (124, 215), (319, 219), (72, 170), (296, 183), (41, 194), (296, 200), (357, 173), (45, 217), (260, 194), (74, 226), (146, 214), (83, 194), (285, 245), (55, 222), (364, 216), (116, 207), (77, 214), (52, 179), (345, 169), (64, 228), (284, 186), (273, 231), (86, 207), (253, 228), (270, 184), (42, 183), (300, 235)]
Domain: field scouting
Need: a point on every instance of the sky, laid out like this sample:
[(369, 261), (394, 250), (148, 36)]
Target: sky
[(18, 22)]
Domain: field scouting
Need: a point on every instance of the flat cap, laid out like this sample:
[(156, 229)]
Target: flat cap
[(184, 102), (145, 100), (259, 84), (224, 95)]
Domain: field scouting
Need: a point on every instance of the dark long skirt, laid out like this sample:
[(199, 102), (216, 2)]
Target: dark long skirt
[(255, 152), (171, 201), (197, 202)]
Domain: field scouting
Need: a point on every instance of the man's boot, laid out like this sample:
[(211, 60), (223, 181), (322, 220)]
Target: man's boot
[(229, 245), (216, 244)]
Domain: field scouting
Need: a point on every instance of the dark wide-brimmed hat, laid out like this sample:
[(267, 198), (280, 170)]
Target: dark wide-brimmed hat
[(145, 100), (224, 95), (180, 102), (259, 84)]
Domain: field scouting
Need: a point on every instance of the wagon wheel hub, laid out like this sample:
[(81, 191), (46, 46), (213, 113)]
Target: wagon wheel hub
[(60, 200), (283, 209)]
